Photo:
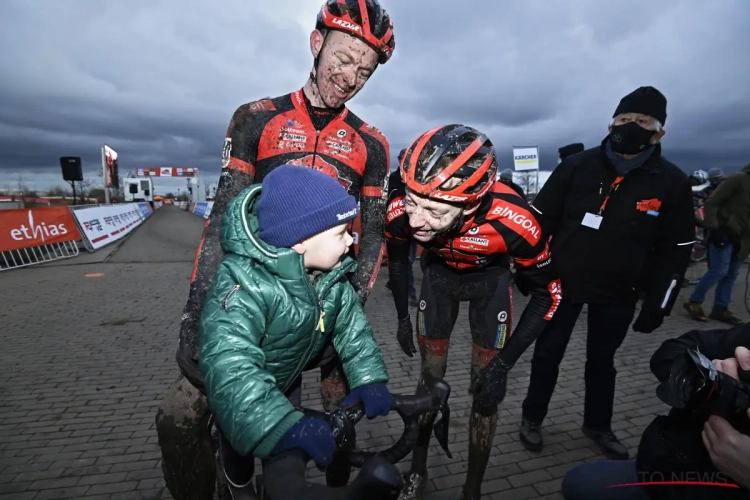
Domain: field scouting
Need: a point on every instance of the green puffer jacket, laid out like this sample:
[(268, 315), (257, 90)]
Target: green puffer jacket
[(261, 325)]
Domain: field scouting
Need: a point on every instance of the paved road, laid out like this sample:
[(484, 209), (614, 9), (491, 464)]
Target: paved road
[(89, 349)]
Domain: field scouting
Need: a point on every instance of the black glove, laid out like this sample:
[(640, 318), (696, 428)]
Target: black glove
[(718, 238), (405, 336), (648, 321), (489, 388)]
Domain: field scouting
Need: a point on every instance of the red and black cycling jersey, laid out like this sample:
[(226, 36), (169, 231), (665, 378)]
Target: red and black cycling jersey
[(265, 134), (503, 227)]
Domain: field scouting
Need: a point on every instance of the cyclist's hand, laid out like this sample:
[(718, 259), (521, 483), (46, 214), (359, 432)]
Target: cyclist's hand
[(312, 435), (405, 336), (376, 398), (489, 389), (648, 321)]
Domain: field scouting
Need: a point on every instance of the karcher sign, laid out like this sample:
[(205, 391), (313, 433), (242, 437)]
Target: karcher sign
[(526, 158)]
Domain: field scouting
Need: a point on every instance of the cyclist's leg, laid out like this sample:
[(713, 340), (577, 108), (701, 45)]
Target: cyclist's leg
[(182, 426), (490, 320), (437, 314)]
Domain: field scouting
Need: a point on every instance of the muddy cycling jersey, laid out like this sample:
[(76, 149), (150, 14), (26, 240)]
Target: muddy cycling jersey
[(502, 227), (288, 130)]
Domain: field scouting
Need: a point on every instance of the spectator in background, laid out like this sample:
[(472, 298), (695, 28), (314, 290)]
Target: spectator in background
[(715, 176), (621, 220), (698, 178), (506, 177), (394, 180), (569, 150), (727, 218)]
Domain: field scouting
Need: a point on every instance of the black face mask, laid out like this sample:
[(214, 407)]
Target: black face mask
[(630, 139)]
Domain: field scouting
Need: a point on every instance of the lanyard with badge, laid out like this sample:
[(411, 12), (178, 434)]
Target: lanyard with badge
[(595, 220)]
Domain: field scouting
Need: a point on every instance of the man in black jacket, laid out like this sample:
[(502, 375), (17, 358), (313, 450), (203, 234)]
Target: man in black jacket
[(682, 446), (621, 220)]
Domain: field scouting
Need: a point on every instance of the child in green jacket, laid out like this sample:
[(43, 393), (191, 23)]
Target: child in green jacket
[(278, 302)]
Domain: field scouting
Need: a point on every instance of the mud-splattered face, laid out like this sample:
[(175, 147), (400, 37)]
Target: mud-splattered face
[(325, 250), (345, 63), (428, 218)]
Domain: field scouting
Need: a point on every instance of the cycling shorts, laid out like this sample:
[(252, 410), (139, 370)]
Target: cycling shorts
[(490, 304)]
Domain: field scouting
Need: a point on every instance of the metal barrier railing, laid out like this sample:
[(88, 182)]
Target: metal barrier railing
[(13, 259)]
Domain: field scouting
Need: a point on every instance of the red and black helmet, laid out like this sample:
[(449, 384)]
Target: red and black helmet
[(447, 153), (364, 19)]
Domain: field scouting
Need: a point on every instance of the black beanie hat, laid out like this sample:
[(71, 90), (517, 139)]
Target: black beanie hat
[(570, 149), (644, 100)]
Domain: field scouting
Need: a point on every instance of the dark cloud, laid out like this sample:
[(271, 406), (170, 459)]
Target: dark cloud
[(158, 81)]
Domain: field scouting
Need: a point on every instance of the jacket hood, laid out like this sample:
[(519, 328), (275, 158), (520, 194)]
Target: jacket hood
[(239, 235)]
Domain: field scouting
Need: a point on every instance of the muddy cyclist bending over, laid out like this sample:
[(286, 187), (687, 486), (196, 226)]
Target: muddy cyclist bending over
[(471, 228)]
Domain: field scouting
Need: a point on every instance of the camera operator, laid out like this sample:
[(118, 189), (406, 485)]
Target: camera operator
[(683, 445)]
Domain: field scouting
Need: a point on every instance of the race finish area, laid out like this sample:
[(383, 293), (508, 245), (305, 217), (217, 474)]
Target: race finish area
[(88, 353)]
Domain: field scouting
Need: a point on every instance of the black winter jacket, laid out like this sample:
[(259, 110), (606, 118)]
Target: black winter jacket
[(645, 234)]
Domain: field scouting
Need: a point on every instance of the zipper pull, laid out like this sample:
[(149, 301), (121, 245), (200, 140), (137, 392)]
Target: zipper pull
[(225, 302), (321, 322)]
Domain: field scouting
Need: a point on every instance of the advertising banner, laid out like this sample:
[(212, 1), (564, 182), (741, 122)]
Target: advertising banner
[(145, 208), (34, 227), (106, 224), (111, 171), (526, 158), (203, 209), (166, 172)]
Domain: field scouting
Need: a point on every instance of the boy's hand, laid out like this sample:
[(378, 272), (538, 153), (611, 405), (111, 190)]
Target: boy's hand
[(312, 435), (405, 336), (376, 398)]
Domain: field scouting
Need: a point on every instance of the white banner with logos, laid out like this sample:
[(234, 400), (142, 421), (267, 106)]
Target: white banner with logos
[(203, 208), (105, 224), (526, 158)]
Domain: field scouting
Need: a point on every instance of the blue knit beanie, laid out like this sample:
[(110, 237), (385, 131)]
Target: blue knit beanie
[(299, 202)]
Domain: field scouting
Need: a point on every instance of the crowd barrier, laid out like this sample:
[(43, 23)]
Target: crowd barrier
[(36, 235)]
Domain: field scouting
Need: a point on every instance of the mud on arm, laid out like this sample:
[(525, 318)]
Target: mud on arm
[(372, 198), (370, 245)]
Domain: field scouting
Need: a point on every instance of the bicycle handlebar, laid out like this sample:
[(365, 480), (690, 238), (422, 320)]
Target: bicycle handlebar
[(409, 408)]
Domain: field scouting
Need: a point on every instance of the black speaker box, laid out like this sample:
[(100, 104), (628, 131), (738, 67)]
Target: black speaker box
[(71, 168)]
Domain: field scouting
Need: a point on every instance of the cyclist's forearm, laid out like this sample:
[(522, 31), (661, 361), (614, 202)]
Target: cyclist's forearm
[(533, 322), (370, 245), (397, 272)]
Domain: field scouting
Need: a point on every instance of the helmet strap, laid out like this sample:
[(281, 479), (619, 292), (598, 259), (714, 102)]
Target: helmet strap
[(314, 71)]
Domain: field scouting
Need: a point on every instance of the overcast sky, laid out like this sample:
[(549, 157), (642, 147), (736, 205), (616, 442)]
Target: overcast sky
[(158, 80)]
